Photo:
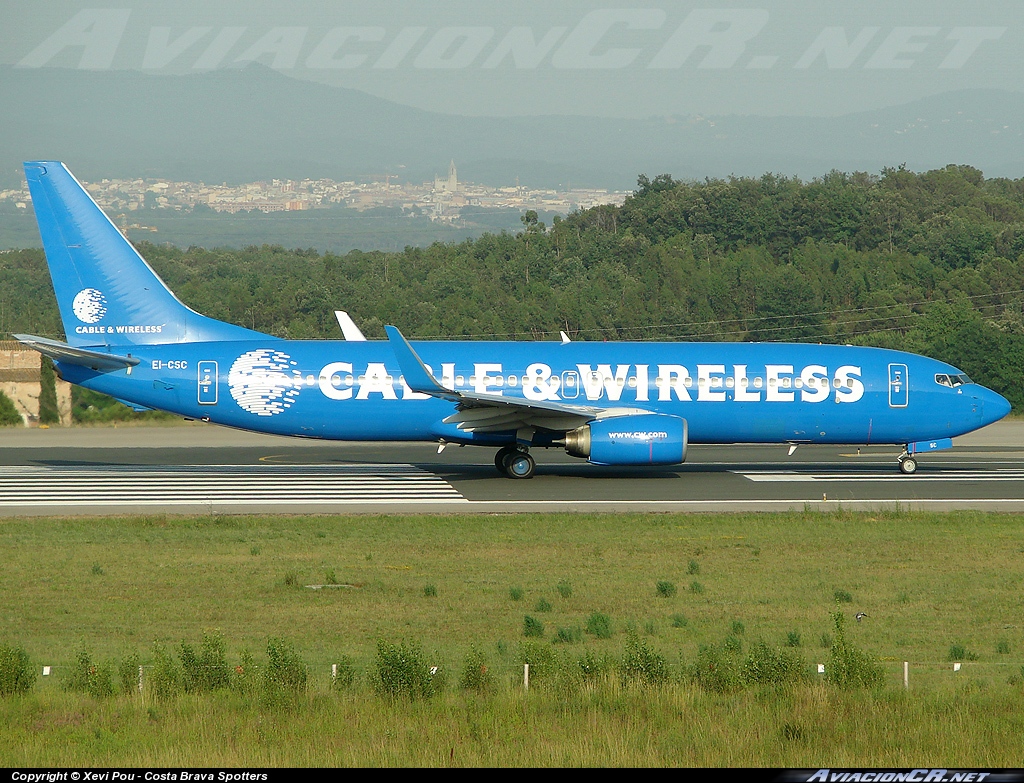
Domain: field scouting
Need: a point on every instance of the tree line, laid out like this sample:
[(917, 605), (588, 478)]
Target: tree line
[(928, 262)]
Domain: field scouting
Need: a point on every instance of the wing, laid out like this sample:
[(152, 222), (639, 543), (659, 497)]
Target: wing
[(476, 412)]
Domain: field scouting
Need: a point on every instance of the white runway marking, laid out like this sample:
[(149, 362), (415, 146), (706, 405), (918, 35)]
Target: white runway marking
[(218, 485), (958, 476)]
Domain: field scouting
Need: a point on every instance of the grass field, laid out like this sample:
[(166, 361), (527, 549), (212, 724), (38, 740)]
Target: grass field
[(933, 586)]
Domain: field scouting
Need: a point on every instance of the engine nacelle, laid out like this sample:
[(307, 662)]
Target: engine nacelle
[(647, 439)]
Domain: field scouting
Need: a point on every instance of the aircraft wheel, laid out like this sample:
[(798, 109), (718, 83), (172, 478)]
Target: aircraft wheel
[(502, 457), (908, 466), (521, 466)]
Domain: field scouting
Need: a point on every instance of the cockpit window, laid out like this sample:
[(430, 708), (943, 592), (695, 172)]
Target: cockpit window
[(951, 380)]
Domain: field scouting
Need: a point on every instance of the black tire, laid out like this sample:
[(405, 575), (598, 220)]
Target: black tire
[(521, 466), (502, 457), (908, 466)]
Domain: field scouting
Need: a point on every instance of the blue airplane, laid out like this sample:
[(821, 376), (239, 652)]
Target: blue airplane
[(627, 403)]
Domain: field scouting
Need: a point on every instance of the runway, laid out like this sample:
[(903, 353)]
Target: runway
[(205, 469)]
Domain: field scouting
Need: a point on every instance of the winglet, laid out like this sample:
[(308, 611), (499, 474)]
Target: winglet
[(416, 374), (349, 329)]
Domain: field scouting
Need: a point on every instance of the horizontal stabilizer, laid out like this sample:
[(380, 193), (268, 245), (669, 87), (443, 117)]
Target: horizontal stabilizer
[(62, 352)]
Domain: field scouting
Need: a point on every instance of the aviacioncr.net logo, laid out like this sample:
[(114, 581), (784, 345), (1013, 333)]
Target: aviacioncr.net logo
[(264, 382), (89, 305)]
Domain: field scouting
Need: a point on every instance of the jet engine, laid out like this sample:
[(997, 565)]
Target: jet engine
[(646, 439)]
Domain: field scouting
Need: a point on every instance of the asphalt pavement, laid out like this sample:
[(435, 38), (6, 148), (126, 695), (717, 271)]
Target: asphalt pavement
[(203, 468)]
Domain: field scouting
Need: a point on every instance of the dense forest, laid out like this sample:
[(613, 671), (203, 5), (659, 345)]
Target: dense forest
[(928, 262)]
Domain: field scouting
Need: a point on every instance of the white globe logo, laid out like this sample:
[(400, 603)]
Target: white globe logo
[(264, 382), (89, 305)]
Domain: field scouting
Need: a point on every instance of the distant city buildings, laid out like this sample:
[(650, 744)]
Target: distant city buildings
[(444, 199)]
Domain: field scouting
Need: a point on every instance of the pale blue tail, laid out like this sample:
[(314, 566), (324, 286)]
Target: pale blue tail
[(107, 293)]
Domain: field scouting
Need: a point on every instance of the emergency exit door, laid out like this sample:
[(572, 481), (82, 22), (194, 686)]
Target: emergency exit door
[(898, 386), (207, 383)]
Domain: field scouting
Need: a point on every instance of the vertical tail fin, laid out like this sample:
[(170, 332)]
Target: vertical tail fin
[(107, 293)]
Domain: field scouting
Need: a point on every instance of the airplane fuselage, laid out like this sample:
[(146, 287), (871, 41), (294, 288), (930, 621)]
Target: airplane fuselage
[(727, 392)]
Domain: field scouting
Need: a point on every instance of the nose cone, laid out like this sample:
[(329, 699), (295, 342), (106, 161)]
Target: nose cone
[(993, 406)]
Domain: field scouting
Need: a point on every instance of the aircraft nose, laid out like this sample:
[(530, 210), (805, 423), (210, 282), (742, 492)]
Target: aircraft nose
[(994, 406)]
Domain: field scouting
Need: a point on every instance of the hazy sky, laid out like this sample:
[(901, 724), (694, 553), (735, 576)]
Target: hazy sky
[(614, 59)]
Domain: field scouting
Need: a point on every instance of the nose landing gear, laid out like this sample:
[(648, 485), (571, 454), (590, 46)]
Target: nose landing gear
[(908, 465), (515, 462)]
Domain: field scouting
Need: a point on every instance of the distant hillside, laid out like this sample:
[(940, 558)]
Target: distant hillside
[(255, 123), (335, 230)]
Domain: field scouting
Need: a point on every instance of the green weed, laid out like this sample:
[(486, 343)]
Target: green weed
[(957, 652), (476, 675), (570, 635), (851, 667), (640, 664), (666, 589), (285, 675), (599, 625), (402, 672), (532, 627), (165, 679), (17, 674), (128, 674), (343, 673), (88, 676)]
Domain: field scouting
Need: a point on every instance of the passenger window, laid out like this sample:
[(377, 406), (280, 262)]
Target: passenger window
[(758, 383)]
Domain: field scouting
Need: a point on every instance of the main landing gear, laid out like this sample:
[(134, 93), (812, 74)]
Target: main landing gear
[(908, 465), (515, 462)]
